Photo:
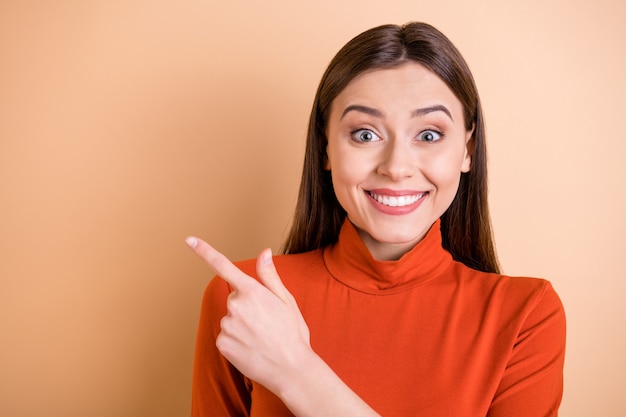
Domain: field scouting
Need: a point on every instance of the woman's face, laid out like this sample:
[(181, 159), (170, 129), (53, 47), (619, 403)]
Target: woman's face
[(397, 146)]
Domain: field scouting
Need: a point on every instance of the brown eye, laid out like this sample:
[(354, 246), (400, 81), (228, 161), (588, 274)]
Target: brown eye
[(364, 135)]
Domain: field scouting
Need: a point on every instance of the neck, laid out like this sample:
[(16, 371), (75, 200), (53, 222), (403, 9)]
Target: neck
[(385, 251)]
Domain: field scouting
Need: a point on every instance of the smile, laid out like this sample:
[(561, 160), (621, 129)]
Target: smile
[(396, 201)]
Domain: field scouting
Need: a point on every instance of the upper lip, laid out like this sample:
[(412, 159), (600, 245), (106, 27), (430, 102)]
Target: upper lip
[(394, 193)]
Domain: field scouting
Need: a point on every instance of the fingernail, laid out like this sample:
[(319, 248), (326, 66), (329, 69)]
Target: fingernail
[(192, 242), (267, 257)]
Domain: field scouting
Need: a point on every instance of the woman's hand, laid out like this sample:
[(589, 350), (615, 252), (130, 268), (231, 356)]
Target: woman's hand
[(265, 336), (263, 333)]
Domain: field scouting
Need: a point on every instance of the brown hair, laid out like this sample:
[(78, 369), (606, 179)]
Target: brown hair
[(465, 226)]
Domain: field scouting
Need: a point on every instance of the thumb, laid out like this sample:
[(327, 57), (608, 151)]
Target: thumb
[(269, 277)]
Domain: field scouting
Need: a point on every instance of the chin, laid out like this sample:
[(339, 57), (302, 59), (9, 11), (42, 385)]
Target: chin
[(398, 238)]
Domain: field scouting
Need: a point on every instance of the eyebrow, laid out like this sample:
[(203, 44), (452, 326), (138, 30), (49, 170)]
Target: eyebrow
[(362, 109), (377, 113), (426, 110)]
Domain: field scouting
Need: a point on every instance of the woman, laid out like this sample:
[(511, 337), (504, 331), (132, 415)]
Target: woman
[(389, 299)]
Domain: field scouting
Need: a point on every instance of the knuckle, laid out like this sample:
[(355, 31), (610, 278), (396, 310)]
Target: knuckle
[(226, 328), (223, 325), (221, 342), (233, 305)]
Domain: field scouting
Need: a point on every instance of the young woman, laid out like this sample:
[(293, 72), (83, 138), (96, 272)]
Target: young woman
[(388, 300)]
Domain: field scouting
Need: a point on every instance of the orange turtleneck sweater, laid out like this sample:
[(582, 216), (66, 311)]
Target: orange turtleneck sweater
[(421, 336)]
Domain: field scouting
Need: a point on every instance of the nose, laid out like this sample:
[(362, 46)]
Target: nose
[(396, 161)]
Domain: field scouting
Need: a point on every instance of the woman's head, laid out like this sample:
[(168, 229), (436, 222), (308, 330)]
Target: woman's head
[(465, 225)]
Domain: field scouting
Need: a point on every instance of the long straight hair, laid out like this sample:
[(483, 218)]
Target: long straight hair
[(466, 225)]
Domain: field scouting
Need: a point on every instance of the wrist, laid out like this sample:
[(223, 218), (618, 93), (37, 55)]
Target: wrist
[(299, 375)]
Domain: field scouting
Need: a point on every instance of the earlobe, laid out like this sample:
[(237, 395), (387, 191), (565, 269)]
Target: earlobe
[(467, 163)]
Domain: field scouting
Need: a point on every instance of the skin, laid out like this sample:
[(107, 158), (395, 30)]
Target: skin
[(397, 131), (264, 336), (381, 137)]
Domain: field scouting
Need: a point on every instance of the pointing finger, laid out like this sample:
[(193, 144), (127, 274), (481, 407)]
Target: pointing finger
[(220, 263)]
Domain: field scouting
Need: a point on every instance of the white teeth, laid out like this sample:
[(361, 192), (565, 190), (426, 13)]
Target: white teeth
[(399, 201)]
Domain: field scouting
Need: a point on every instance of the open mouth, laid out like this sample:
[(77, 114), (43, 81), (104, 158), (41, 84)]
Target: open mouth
[(396, 200)]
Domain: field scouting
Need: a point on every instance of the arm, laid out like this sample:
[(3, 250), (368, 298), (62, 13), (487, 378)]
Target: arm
[(532, 384), (265, 337)]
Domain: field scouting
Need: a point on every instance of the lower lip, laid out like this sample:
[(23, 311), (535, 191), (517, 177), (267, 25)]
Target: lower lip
[(396, 211)]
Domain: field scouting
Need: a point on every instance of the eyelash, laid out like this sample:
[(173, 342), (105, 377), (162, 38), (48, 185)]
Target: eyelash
[(354, 134), (437, 132)]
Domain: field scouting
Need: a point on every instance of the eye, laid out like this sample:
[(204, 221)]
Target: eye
[(364, 136), (429, 136)]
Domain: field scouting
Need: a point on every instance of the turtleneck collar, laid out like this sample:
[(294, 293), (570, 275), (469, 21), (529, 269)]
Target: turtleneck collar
[(351, 263)]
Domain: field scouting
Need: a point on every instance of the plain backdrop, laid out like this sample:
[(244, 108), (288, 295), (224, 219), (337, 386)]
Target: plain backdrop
[(127, 125)]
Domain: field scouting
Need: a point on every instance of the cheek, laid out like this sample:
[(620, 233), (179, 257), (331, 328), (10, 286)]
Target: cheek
[(444, 171), (348, 168), (349, 177), (343, 178), (343, 186)]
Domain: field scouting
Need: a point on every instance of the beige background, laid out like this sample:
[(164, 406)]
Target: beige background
[(127, 125)]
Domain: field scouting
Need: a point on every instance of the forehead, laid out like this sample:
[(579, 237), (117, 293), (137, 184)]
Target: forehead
[(399, 89)]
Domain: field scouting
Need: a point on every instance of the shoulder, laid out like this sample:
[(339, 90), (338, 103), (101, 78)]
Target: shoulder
[(537, 293), (534, 325), (493, 284), (287, 265), (537, 302), (290, 268), (514, 298)]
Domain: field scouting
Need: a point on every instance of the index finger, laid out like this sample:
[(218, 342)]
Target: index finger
[(220, 263)]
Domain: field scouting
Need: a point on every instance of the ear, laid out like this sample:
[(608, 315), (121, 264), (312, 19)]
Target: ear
[(469, 150), (326, 160)]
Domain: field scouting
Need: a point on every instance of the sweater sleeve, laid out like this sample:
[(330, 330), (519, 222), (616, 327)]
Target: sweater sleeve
[(218, 388), (532, 384)]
